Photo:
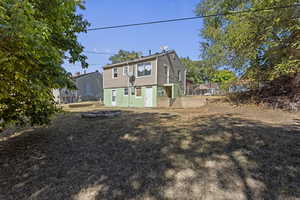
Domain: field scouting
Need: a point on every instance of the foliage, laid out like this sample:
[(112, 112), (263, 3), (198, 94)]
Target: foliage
[(200, 72), (197, 71), (267, 43), (35, 36), (123, 55), (224, 78)]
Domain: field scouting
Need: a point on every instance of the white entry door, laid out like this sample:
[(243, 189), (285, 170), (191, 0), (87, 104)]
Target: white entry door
[(148, 97), (113, 97)]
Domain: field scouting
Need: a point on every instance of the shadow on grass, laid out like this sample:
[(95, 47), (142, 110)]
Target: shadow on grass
[(263, 159), (154, 156)]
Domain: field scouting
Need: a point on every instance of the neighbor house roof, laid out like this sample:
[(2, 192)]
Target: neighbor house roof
[(143, 58), (81, 75)]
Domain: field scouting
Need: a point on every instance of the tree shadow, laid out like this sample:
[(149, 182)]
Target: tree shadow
[(259, 158), (80, 158), (152, 156)]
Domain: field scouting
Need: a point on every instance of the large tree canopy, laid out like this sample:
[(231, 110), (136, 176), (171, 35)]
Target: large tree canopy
[(266, 44), (224, 78), (198, 71), (35, 36), (123, 55), (201, 72)]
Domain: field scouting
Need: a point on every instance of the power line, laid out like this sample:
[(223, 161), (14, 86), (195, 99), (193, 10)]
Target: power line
[(191, 18), (75, 65), (101, 53)]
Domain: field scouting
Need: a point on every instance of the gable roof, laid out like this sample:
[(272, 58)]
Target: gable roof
[(144, 58), (86, 74)]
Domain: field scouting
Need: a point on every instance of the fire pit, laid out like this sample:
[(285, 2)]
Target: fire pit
[(102, 114)]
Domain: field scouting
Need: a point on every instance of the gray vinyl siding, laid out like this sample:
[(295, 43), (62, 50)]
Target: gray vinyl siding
[(174, 64), (90, 87), (122, 80)]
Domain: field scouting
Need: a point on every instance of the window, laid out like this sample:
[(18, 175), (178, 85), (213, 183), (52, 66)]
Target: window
[(144, 69), (179, 75), (125, 70), (166, 70), (167, 74), (138, 91), (115, 72), (125, 91)]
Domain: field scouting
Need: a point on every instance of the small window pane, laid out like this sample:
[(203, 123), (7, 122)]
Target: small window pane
[(179, 75), (147, 69), (140, 70), (125, 70), (115, 72)]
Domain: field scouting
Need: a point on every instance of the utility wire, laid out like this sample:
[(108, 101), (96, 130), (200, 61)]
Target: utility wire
[(197, 17), (101, 53)]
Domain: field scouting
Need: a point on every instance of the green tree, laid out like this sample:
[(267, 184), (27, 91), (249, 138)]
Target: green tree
[(123, 55), (197, 71), (224, 78), (36, 36), (266, 42)]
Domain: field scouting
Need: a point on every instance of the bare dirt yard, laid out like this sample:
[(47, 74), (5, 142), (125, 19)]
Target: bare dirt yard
[(214, 152)]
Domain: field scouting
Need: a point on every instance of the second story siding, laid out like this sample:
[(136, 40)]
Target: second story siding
[(122, 80), (170, 70)]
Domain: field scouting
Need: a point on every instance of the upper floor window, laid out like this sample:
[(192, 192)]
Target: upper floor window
[(125, 70), (166, 70), (144, 69), (115, 72), (179, 75), (167, 74)]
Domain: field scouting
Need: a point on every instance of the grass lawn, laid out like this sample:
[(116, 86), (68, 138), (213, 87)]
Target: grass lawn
[(214, 152)]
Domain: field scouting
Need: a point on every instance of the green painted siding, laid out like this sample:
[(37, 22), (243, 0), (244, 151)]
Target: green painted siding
[(176, 91), (130, 100), (107, 97)]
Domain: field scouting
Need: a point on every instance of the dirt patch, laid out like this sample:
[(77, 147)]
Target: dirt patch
[(214, 152)]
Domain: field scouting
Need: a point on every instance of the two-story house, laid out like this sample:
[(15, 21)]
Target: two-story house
[(152, 81)]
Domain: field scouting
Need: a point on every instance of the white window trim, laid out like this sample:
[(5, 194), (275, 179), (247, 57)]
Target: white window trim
[(113, 73), (179, 75), (124, 74), (136, 70), (168, 73)]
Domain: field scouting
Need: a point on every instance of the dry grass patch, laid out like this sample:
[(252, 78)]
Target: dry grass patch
[(214, 152)]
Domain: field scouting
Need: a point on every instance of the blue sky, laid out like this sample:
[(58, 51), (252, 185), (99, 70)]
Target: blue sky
[(181, 36)]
